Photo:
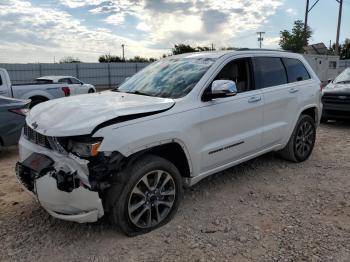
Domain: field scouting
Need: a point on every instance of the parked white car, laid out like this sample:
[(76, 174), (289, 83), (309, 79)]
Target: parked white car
[(43, 88), (130, 152)]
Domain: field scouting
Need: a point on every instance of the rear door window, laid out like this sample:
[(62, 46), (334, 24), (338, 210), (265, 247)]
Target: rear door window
[(74, 81), (296, 70), (43, 81), (65, 81), (269, 71)]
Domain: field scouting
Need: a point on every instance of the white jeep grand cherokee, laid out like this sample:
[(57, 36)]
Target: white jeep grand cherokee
[(129, 152)]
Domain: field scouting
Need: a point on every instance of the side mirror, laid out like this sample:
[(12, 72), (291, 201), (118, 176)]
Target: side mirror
[(330, 80), (222, 88)]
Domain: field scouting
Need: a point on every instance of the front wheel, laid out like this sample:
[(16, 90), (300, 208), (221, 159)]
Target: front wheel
[(147, 196), (302, 141)]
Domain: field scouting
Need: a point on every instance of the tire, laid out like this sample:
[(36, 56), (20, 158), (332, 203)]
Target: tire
[(91, 91), (300, 145), (36, 101), (138, 209)]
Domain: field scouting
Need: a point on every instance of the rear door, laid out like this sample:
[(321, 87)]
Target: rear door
[(280, 96), (68, 83), (230, 128), (77, 85)]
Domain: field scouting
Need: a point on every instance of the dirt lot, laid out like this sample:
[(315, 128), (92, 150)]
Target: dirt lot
[(265, 210)]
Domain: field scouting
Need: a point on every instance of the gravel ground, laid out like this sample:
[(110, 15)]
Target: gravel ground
[(264, 210)]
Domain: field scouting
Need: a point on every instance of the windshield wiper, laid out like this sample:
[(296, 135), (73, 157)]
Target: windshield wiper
[(138, 93)]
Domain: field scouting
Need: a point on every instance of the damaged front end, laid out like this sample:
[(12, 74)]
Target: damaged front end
[(68, 185)]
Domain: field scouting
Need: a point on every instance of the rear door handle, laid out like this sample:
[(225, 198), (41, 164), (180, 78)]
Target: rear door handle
[(293, 90), (254, 99)]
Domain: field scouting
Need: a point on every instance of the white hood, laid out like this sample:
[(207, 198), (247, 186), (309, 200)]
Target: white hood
[(79, 115)]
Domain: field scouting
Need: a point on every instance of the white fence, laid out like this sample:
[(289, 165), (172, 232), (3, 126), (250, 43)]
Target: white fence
[(99, 74), (112, 74)]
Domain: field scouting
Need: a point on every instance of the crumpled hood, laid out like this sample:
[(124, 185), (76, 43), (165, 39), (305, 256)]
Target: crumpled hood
[(79, 115)]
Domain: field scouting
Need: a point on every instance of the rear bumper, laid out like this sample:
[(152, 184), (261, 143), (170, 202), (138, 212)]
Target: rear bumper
[(76, 203)]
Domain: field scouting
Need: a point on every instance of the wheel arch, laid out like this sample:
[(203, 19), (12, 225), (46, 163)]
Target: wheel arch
[(172, 150)]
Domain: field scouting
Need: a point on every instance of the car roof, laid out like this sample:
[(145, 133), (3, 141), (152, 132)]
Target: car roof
[(53, 78), (218, 54)]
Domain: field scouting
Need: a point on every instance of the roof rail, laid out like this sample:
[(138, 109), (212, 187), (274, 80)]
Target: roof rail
[(260, 49)]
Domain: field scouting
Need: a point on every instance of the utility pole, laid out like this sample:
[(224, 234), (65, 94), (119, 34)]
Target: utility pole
[(307, 11), (338, 28), (305, 21), (212, 47), (123, 52), (260, 38)]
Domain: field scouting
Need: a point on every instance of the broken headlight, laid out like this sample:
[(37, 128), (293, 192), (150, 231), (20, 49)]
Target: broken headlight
[(85, 146)]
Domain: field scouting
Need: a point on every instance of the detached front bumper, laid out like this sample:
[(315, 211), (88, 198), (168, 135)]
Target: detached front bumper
[(59, 185)]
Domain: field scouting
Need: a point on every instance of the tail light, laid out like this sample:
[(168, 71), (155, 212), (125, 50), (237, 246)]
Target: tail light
[(66, 91), (321, 86), (20, 111)]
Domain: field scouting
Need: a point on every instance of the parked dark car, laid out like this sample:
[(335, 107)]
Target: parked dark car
[(12, 118), (336, 98)]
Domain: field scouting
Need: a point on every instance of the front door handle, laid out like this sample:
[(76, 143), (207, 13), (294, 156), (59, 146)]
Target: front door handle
[(293, 90), (254, 99)]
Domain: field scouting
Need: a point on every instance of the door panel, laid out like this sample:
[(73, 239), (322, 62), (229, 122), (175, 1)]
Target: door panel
[(230, 128), (279, 111)]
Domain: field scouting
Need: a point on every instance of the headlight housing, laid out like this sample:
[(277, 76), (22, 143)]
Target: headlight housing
[(84, 146)]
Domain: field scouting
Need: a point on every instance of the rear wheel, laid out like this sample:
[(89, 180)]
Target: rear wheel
[(302, 141), (91, 91), (36, 100), (147, 197)]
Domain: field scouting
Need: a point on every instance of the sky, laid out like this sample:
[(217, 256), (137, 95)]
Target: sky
[(34, 31)]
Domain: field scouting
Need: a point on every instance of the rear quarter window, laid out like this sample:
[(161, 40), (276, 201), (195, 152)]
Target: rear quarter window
[(296, 70), (269, 71), (43, 81)]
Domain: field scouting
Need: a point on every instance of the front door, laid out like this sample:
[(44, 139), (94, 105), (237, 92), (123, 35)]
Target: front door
[(231, 127)]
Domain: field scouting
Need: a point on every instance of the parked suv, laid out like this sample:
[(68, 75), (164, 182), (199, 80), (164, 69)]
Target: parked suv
[(129, 152), (336, 98)]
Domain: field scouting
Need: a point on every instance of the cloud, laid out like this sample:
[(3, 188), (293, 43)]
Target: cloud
[(115, 19), (291, 12), (43, 33), (80, 3), (147, 27)]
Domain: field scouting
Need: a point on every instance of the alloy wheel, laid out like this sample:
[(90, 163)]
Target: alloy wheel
[(304, 139), (151, 199)]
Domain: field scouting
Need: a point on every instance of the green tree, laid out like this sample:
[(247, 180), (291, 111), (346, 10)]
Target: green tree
[(345, 49), (296, 39), (182, 48), (141, 59), (108, 58), (69, 59), (229, 48)]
